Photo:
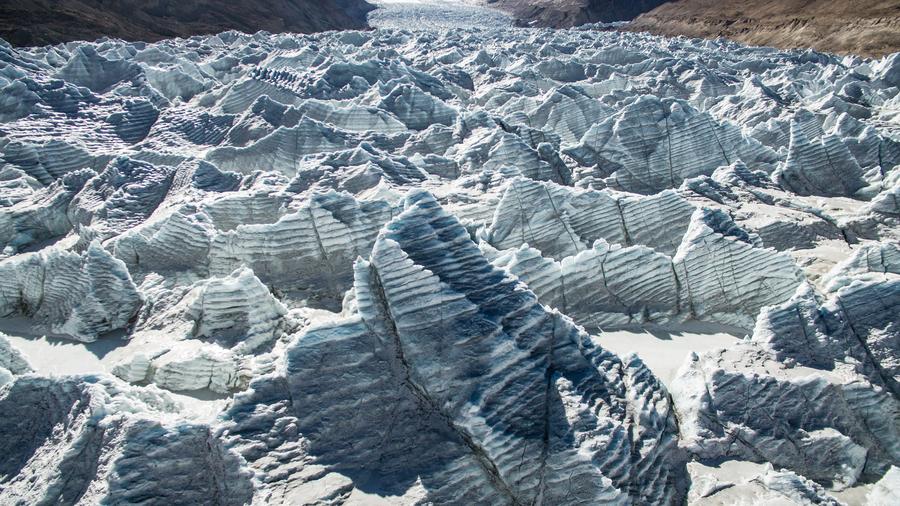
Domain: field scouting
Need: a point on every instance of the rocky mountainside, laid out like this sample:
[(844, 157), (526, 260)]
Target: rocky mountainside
[(38, 22), (864, 27), (569, 13)]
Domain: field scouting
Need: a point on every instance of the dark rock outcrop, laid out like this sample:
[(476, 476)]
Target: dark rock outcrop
[(569, 13), (865, 27), (39, 22)]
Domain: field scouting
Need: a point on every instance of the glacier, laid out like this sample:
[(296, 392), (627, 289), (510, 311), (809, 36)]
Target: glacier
[(395, 267)]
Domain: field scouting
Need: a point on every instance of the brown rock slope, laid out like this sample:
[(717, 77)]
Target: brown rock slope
[(864, 27), (569, 13), (39, 22)]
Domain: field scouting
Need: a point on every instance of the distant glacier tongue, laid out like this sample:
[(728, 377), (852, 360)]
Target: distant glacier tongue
[(397, 266)]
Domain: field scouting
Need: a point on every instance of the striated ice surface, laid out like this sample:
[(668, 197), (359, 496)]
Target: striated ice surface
[(518, 403), (12, 362), (80, 295), (392, 267), (103, 440)]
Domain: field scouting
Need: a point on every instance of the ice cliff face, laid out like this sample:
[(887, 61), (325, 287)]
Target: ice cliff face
[(396, 258), (101, 439), (517, 406)]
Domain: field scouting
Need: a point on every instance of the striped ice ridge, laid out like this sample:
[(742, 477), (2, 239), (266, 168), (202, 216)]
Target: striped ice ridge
[(561, 221), (504, 400), (715, 272), (839, 349), (568, 111), (281, 149), (374, 264), (834, 427), (653, 144), (181, 130), (12, 362), (214, 335), (824, 168), (500, 151), (308, 252), (17, 186), (41, 215), (50, 160), (723, 275), (364, 169), (848, 323), (213, 331), (237, 310), (122, 196), (266, 115), (415, 108), (93, 437), (82, 296)]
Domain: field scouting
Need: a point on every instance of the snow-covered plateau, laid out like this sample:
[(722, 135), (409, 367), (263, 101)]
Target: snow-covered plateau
[(421, 265)]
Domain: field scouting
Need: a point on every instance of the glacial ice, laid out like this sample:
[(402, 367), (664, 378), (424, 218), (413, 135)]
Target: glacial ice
[(104, 440), (387, 260), (80, 295), (653, 144), (12, 362), (520, 403)]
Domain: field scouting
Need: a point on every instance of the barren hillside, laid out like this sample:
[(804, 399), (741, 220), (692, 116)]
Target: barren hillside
[(866, 27), (37, 22), (568, 13)]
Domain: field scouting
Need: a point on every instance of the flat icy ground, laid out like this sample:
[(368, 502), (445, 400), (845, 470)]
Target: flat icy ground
[(435, 14), (466, 266)]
